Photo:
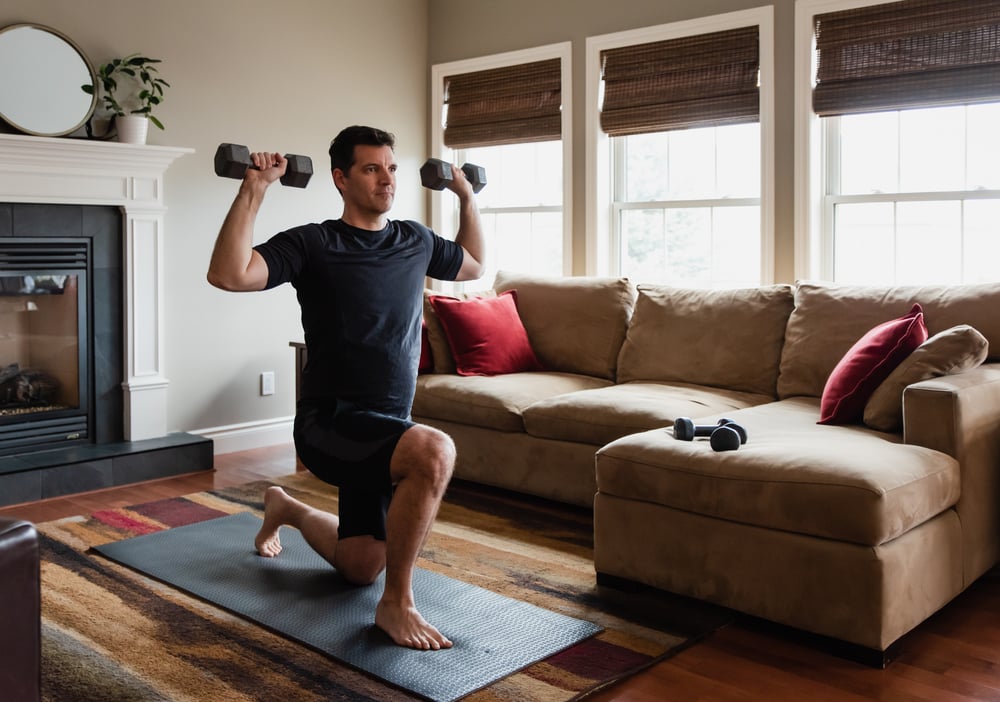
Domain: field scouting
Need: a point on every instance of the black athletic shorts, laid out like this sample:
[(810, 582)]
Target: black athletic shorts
[(351, 448)]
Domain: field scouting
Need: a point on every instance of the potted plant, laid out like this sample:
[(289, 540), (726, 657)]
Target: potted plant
[(132, 88)]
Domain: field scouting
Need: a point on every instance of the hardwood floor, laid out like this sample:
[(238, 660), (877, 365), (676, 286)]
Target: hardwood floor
[(230, 469), (953, 657)]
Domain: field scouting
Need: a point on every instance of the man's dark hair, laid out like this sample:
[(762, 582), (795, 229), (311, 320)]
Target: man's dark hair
[(342, 147)]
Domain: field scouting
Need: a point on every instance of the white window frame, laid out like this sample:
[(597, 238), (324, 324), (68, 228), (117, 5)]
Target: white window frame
[(599, 168), (439, 206)]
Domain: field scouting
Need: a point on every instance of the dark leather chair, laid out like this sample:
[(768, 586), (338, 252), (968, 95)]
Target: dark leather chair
[(20, 612)]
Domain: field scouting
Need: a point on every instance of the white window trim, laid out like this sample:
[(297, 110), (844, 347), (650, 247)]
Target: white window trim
[(810, 178), (562, 51), (598, 193)]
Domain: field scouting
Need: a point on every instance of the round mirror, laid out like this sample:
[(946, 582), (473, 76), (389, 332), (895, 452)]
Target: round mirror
[(41, 72)]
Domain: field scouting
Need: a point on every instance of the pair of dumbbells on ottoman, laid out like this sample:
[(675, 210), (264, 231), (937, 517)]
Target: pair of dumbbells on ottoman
[(726, 435)]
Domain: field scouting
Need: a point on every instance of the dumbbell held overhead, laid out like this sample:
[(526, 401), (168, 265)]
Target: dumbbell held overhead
[(233, 160), (436, 174)]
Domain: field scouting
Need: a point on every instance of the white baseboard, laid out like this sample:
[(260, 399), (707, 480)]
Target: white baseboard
[(248, 435)]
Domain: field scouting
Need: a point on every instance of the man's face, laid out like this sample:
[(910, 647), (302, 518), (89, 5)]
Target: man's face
[(370, 185)]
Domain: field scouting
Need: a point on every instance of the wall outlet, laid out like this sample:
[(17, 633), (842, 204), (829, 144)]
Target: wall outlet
[(267, 383)]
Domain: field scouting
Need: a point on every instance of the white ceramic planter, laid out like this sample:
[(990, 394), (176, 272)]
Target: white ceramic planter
[(132, 129)]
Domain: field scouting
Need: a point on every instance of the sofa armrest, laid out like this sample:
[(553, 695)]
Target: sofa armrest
[(20, 614), (952, 412), (960, 415)]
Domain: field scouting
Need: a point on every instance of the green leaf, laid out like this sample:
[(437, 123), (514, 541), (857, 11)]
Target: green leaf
[(155, 121), (89, 89)]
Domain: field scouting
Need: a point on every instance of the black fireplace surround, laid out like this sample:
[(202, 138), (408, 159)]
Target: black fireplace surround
[(50, 453)]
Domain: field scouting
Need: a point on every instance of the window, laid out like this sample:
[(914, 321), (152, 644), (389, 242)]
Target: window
[(680, 168), (913, 196), (687, 206), (524, 206), (521, 206), (897, 148)]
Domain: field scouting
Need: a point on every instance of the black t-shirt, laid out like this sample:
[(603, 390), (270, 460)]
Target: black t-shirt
[(361, 294)]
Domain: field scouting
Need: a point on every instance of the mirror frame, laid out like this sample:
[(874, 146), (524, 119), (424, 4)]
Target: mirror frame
[(86, 62)]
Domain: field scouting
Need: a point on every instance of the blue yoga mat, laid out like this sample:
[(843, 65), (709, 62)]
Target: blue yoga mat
[(297, 594)]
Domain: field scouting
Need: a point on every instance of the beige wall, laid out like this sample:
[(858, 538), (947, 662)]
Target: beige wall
[(275, 75), (286, 76), (462, 29)]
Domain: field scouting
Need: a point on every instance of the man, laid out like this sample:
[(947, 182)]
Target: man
[(359, 282)]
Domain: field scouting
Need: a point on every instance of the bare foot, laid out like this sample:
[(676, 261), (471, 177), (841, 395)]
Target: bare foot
[(267, 542), (406, 627)]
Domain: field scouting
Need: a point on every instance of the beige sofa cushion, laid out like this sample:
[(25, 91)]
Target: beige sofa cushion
[(845, 483), (828, 319), (576, 325), (722, 338), (605, 414), (954, 350), (494, 402)]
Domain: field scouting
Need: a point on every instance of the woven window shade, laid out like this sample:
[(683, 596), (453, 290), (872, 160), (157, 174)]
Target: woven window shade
[(509, 105), (698, 81), (915, 53)]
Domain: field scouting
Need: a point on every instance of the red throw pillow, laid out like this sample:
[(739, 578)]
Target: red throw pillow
[(426, 354), (870, 361), (485, 334)]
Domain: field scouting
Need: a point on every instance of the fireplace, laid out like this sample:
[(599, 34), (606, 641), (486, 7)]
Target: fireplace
[(82, 389), (61, 331), (45, 349)]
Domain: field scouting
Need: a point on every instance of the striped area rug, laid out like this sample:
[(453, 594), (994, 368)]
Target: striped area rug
[(110, 634)]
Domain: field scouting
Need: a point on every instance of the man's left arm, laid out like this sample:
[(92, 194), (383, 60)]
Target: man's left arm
[(470, 228)]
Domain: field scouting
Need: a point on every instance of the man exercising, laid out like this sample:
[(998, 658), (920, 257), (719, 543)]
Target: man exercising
[(359, 282)]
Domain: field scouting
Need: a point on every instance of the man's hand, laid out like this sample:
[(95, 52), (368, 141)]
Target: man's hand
[(459, 184), (268, 167)]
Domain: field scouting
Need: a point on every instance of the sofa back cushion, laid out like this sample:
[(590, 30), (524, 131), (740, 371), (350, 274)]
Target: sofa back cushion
[(829, 318), (575, 324), (723, 338)]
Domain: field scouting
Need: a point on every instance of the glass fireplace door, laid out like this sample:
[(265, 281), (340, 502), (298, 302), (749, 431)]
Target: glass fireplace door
[(40, 346), (44, 377)]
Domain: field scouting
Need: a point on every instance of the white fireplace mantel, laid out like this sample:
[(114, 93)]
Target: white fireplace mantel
[(76, 171)]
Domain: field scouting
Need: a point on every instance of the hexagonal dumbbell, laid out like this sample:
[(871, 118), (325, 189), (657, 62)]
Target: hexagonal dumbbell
[(727, 435), (233, 160), (435, 174)]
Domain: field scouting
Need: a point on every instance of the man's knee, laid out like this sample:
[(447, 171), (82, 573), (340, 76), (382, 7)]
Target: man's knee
[(425, 452), (360, 560)]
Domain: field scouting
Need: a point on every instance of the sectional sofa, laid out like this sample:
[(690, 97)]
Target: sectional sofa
[(857, 527)]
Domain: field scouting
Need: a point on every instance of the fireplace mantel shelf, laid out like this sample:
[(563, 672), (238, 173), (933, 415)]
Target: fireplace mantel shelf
[(87, 172), (82, 171)]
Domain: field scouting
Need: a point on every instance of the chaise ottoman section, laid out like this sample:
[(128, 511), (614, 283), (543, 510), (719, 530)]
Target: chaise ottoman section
[(836, 530), (836, 482)]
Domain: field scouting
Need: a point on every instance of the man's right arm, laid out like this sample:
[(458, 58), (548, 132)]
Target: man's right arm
[(235, 266)]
